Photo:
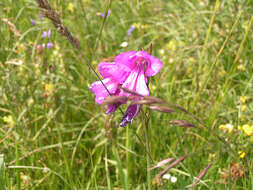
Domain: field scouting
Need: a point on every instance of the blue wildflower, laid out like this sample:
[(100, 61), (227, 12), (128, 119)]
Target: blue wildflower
[(130, 30), (46, 34), (107, 14), (49, 45), (39, 16), (32, 22)]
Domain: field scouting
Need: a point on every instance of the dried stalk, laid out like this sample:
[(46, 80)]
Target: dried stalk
[(50, 13), (171, 166), (202, 174), (12, 27)]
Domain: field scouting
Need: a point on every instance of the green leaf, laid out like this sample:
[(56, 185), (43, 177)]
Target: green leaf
[(2, 174)]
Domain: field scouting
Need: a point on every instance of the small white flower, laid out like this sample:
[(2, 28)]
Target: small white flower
[(45, 170), (166, 176), (173, 179), (161, 51), (124, 44)]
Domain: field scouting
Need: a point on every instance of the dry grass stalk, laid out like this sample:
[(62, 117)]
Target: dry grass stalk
[(150, 48), (114, 99), (12, 27), (146, 102), (181, 123), (162, 163), (202, 174), (51, 14), (108, 59), (159, 108), (131, 92), (171, 166), (181, 108), (155, 99)]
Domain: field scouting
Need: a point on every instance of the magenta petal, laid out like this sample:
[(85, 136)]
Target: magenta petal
[(130, 83), (106, 68), (141, 86), (136, 82), (118, 72), (99, 90), (154, 66), (143, 54), (127, 59)]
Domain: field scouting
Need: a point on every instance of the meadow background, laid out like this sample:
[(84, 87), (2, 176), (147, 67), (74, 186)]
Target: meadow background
[(54, 136)]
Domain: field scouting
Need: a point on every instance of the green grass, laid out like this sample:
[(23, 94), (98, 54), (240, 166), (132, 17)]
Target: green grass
[(57, 137)]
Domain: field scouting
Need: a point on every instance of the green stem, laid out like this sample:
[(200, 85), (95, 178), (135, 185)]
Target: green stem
[(127, 153), (200, 64), (18, 170), (147, 149)]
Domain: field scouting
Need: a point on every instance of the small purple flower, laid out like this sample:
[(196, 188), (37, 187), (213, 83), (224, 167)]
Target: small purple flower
[(129, 70), (32, 22), (131, 112), (49, 45), (39, 16), (107, 14), (49, 33), (130, 30), (46, 34)]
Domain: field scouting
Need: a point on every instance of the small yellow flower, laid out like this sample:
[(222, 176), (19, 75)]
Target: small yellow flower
[(30, 101), (241, 154), (94, 62), (70, 7), (239, 127), (49, 89), (20, 48), (243, 108), (241, 67), (172, 45), (9, 120), (247, 129), (144, 26), (243, 99), (227, 128), (26, 180), (222, 127), (137, 25), (152, 87)]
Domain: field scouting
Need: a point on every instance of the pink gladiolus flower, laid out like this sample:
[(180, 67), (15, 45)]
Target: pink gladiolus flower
[(129, 70)]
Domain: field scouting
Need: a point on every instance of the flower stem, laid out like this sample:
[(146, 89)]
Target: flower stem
[(128, 161), (147, 149)]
